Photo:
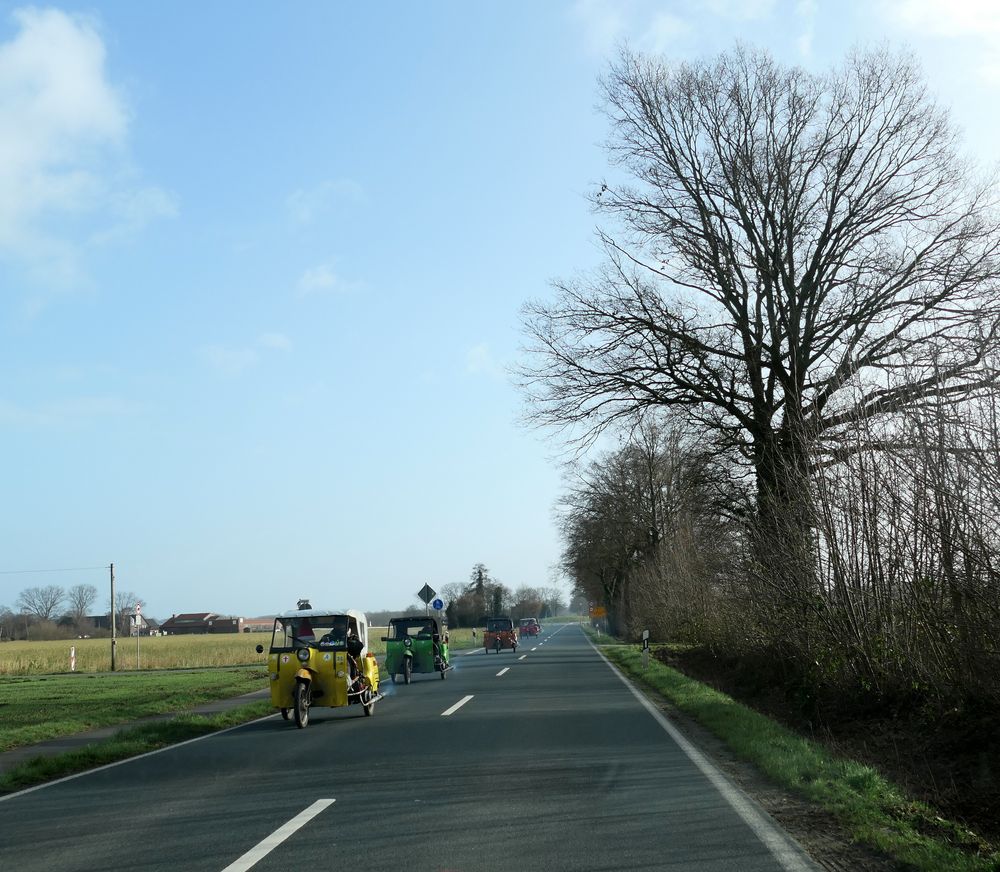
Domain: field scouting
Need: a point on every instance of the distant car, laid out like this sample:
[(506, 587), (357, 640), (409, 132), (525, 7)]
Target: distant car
[(499, 635), (528, 627)]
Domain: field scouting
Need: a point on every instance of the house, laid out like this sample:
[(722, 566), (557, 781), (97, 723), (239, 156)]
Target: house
[(200, 622)]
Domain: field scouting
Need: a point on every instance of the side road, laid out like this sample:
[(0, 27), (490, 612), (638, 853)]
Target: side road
[(54, 747)]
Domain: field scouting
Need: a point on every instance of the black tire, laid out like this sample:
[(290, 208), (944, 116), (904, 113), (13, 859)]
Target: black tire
[(515, 649), (393, 677), (368, 703), (407, 670), (284, 714), (444, 673), (302, 700)]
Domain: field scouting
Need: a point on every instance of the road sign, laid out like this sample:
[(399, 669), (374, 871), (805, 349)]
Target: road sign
[(426, 594), (598, 612), (438, 604), (138, 609)]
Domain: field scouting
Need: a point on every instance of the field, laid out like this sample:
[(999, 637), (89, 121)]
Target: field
[(158, 652)]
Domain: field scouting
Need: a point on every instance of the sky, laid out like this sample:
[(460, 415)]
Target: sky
[(261, 270)]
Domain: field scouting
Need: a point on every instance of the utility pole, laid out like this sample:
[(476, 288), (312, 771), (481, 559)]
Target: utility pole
[(114, 635)]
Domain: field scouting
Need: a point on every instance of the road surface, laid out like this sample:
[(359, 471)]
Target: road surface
[(539, 759)]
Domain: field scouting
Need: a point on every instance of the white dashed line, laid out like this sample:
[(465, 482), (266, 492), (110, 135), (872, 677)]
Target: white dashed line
[(456, 706), (262, 849), (502, 671)]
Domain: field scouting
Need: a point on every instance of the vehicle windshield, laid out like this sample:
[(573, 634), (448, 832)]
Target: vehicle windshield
[(422, 628), (317, 631), (498, 626)]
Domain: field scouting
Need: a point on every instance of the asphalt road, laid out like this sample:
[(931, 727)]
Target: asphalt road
[(553, 764)]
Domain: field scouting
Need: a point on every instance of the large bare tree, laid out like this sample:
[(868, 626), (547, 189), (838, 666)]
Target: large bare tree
[(42, 602), (796, 254), (80, 599)]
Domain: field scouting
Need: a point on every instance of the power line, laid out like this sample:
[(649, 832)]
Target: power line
[(29, 571)]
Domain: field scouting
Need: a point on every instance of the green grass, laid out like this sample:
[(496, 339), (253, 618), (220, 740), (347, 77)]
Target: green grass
[(36, 709), (875, 811), (128, 743)]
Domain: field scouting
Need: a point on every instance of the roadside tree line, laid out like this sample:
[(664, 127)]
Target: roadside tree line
[(796, 337)]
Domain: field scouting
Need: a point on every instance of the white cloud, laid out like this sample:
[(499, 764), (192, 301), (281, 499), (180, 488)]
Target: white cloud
[(739, 10), (234, 360), (70, 412), (806, 11), (229, 361), (276, 341), (306, 205), (317, 278), (955, 18), (603, 23), (63, 129), (479, 360), (975, 24), (663, 32), (322, 279)]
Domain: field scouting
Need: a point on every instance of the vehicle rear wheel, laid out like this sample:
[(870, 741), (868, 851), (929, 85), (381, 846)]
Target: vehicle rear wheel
[(393, 677), (284, 714), (407, 669), (368, 703), (301, 697), (444, 671)]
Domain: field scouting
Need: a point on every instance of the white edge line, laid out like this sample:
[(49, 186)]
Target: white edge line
[(132, 759), (502, 671), (780, 845), (263, 848), (456, 706)]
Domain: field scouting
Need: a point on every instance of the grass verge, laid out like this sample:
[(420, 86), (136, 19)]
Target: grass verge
[(37, 709), (875, 811), (128, 743)]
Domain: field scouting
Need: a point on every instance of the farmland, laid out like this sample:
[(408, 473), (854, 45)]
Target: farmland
[(157, 652)]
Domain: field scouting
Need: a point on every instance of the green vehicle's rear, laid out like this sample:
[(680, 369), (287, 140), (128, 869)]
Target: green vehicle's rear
[(415, 645)]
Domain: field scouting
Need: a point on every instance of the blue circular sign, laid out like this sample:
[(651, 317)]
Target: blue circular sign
[(438, 604)]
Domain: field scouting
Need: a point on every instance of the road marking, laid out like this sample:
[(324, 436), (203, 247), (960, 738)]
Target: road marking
[(258, 853), (534, 649), (456, 706), (786, 852), (476, 651), (522, 657), (502, 671)]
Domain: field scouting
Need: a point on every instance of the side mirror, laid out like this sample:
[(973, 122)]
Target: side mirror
[(259, 649), (385, 638)]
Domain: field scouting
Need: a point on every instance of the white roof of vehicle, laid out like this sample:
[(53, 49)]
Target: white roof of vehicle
[(323, 613)]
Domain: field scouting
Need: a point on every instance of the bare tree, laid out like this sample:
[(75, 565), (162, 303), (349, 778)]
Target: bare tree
[(793, 246), (125, 603), (80, 599), (42, 602)]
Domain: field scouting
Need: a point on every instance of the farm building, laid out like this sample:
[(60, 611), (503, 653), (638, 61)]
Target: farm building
[(201, 622)]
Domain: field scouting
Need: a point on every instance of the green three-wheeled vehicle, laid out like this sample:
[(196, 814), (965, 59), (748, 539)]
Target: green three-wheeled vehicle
[(415, 645)]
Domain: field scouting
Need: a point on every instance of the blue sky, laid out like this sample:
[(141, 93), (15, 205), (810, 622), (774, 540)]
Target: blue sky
[(261, 267)]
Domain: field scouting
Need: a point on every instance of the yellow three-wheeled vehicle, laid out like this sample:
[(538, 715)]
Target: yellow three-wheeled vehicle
[(321, 658)]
